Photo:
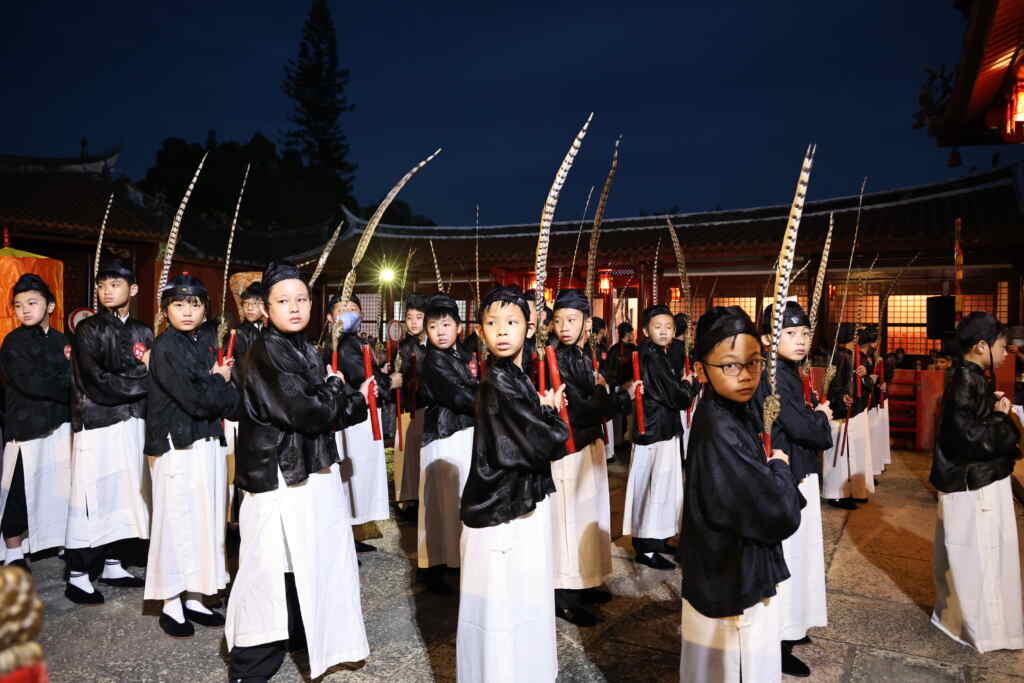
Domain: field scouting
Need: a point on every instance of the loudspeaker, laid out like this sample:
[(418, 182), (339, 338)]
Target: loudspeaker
[(941, 316)]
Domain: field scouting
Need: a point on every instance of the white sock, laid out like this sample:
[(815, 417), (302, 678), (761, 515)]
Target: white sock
[(112, 569), (194, 602), (172, 608), (81, 581), (15, 554)]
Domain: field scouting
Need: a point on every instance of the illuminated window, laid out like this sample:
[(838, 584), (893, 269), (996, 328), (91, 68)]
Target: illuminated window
[(397, 310), (747, 303), (461, 303), (1002, 311), (371, 313), (908, 319)]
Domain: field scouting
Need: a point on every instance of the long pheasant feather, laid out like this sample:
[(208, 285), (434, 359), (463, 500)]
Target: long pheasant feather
[(547, 216), (654, 274), (819, 281), (684, 282), (172, 243), (595, 231), (371, 225), (227, 257), (99, 249), (476, 256), (830, 369), (579, 234), (327, 252), (783, 271), (437, 268)]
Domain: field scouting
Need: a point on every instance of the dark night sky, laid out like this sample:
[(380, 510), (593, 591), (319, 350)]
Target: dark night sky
[(715, 105)]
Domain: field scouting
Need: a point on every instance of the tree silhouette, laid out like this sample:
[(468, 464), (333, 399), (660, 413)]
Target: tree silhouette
[(316, 85)]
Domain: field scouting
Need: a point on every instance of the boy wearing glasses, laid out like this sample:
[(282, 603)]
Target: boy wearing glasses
[(654, 493), (803, 433), (739, 506)]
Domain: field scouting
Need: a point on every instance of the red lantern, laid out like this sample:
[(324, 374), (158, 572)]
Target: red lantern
[(1014, 128), (604, 285)]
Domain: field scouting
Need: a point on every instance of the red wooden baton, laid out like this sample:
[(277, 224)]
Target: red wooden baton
[(639, 399), (371, 397)]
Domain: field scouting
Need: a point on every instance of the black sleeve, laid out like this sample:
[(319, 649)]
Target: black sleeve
[(444, 386), (528, 436), (292, 402), (49, 382), (803, 426), (350, 358), (740, 493), (990, 436), (840, 385), (126, 383), (203, 396)]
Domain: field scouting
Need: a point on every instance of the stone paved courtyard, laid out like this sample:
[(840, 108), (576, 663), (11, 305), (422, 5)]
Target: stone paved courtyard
[(880, 596)]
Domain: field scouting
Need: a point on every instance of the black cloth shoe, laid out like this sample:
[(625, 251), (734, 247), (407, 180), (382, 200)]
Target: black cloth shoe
[(174, 629), (124, 582), (859, 500), (806, 640), (655, 561), (595, 596), (20, 563), (791, 666), (433, 579), (213, 619), (365, 547), (79, 596), (577, 615), (842, 503)]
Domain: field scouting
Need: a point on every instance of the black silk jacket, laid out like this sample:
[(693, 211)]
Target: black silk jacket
[(186, 401), (246, 335), (514, 442), (448, 390), (665, 395), (737, 509), (350, 364), (799, 432), (109, 383), (409, 349), (844, 384), (290, 413), (38, 378), (976, 445), (620, 364), (676, 356), (590, 406)]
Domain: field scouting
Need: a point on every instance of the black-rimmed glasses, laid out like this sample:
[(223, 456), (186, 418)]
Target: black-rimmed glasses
[(753, 366)]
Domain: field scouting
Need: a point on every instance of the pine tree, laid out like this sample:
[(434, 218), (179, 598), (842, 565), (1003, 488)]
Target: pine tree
[(317, 86)]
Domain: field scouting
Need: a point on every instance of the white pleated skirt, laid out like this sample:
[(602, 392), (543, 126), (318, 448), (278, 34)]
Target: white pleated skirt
[(977, 569), (186, 547), (364, 472), (506, 631), (304, 529), (802, 596), (46, 464), (110, 487), (732, 649), (851, 475), (581, 520), (444, 465), (654, 491)]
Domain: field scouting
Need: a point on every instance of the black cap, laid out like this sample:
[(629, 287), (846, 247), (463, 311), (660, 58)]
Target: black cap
[(116, 268), (721, 322), (30, 282), (653, 311), (847, 331), (596, 325), (867, 335), (181, 287), (624, 328), (416, 301), (253, 291), (276, 272), (574, 299), (440, 305), (506, 295), (682, 322), (978, 326), (793, 315)]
